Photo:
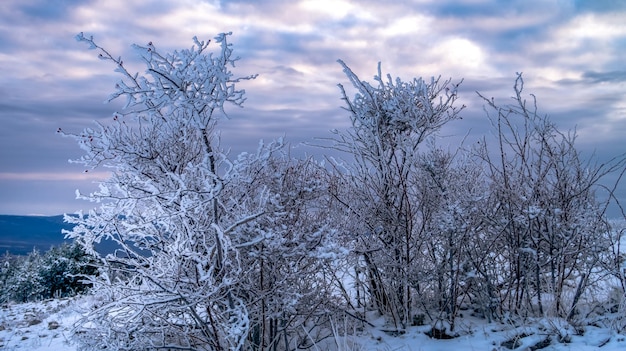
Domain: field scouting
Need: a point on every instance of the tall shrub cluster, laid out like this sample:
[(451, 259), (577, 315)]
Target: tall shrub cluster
[(213, 253), (390, 121), (264, 252), (508, 226)]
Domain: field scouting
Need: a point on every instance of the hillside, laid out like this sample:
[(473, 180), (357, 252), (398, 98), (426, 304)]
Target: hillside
[(20, 234)]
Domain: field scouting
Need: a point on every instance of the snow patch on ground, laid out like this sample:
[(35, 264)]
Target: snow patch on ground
[(46, 326), (37, 326)]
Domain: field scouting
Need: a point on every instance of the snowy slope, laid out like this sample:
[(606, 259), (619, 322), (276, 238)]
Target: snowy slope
[(47, 326), (37, 326)]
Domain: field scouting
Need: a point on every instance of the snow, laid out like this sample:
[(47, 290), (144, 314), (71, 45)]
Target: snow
[(477, 334), (159, 206), (47, 325), (38, 326)]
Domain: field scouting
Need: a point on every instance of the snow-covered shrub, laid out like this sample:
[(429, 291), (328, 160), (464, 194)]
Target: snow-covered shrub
[(549, 226), (21, 281), (56, 273), (512, 226), (390, 122), (63, 269), (288, 272), (212, 252), (173, 280)]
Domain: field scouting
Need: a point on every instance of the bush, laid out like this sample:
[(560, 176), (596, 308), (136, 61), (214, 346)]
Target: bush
[(56, 273)]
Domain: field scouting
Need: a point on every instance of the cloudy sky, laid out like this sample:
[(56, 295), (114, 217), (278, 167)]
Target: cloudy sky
[(572, 54)]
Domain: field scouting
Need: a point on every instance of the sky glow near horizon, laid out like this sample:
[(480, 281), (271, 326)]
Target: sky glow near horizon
[(572, 54)]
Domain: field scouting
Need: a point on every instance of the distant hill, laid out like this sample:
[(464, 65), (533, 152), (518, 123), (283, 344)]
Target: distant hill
[(20, 234)]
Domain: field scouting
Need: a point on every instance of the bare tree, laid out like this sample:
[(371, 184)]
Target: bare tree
[(452, 191), (548, 216), (172, 281), (212, 253), (389, 122), (289, 293)]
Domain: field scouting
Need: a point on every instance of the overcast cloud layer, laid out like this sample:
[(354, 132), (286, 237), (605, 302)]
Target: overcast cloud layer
[(572, 53)]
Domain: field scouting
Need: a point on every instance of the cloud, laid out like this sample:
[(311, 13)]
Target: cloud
[(47, 10), (571, 53), (54, 176), (600, 77), (601, 6)]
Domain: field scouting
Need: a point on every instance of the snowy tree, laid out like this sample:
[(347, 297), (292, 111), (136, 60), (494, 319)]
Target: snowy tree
[(212, 253), (62, 270), (21, 278), (173, 280), (390, 121), (56, 273), (287, 287), (451, 188), (552, 226)]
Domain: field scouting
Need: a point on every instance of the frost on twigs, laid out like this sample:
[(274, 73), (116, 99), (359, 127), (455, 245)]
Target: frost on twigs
[(405, 111), (209, 251), (390, 120), (171, 281)]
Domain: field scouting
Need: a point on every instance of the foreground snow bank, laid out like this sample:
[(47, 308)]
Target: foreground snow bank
[(36, 326), (477, 334), (46, 326)]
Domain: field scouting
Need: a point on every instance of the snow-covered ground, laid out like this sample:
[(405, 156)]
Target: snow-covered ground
[(476, 334), (43, 325), (47, 325)]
